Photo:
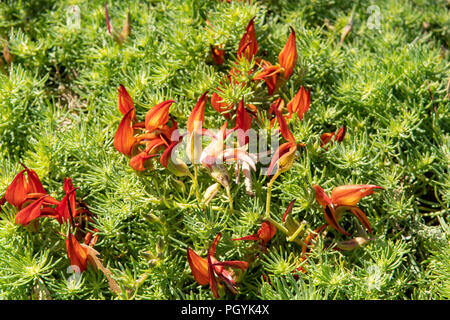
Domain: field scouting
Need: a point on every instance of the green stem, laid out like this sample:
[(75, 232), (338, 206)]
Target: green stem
[(286, 232), (195, 181), (269, 195)]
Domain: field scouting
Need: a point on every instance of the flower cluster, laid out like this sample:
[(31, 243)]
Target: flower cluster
[(32, 202), (159, 136)]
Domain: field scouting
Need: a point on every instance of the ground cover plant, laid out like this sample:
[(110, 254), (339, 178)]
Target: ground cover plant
[(126, 172)]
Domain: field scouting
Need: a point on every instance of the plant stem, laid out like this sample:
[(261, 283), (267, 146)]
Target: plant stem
[(285, 231), (230, 198), (269, 195), (195, 181)]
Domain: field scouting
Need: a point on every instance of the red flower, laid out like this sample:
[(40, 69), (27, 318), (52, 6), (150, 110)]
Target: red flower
[(22, 189), (327, 137), (142, 140), (344, 198), (287, 59), (213, 272), (265, 233)]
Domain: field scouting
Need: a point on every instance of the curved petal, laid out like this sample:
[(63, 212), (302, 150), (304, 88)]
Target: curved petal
[(284, 128), (168, 153), (267, 231), (212, 278), (300, 103), (288, 210), (158, 115), (125, 102), (30, 212), (199, 267), (321, 197), (283, 158), (288, 56), (243, 123), (248, 43), (362, 217), (67, 207), (220, 106), (16, 192), (349, 195), (252, 237), (76, 253), (330, 218), (197, 116), (138, 161), (124, 139)]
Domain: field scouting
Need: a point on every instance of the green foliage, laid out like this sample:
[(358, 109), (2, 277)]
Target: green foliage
[(58, 115)]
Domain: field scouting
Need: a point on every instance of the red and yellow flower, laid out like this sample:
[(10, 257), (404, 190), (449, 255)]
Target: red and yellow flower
[(142, 140), (344, 198), (216, 273), (275, 75)]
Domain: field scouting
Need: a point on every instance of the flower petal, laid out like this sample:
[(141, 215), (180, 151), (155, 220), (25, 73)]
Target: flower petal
[(220, 106), (158, 115), (30, 212), (125, 102), (77, 254), (243, 123), (288, 210), (124, 139), (284, 129), (300, 103), (330, 218), (362, 217), (267, 231), (340, 134), (321, 197), (248, 44), (199, 267), (283, 158), (197, 116), (138, 161), (252, 237), (212, 278), (16, 192), (67, 207), (288, 56), (349, 195)]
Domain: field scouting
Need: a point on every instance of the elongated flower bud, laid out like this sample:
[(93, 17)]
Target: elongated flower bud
[(210, 193), (352, 243)]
